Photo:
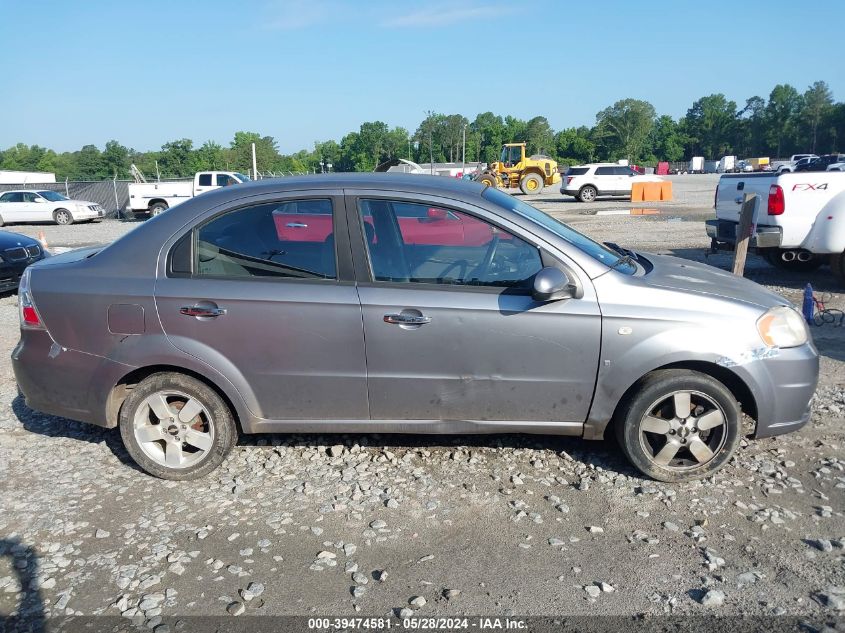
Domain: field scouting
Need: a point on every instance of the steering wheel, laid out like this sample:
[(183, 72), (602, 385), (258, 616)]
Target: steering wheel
[(464, 264), (484, 266)]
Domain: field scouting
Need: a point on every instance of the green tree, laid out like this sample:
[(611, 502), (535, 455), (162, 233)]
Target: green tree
[(89, 164), (574, 146), (116, 159), (488, 132), (209, 157), (781, 119), (266, 152), (817, 104), (539, 136), (177, 158), (624, 128), (750, 137), (710, 125), (666, 140)]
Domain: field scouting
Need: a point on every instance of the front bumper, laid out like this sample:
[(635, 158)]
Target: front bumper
[(782, 384), (724, 232)]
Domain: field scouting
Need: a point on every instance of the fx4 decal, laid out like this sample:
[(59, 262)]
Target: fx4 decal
[(805, 186)]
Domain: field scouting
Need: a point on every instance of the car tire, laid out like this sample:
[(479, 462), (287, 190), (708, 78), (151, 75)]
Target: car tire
[(157, 209), (587, 193), (661, 444), (531, 184), (167, 446), (62, 217), (773, 256)]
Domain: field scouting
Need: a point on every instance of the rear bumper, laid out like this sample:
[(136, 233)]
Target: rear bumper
[(724, 232), (64, 382)]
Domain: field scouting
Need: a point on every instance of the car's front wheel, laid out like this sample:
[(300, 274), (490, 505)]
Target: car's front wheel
[(62, 216), (678, 425), (176, 427)]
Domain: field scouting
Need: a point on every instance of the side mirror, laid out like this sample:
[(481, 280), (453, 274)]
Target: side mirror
[(437, 214), (552, 284), (39, 200)]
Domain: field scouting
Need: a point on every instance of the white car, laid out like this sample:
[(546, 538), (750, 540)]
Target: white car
[(33, 205), (588, 182)]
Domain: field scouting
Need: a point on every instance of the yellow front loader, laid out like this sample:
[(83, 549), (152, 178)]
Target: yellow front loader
[(515, 169)]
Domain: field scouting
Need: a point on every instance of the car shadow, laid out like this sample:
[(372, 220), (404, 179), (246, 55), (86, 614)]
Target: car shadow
[(55, 426), (29, 615), (592, 455)]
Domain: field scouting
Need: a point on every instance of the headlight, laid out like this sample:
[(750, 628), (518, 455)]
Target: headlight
[(782, 327)]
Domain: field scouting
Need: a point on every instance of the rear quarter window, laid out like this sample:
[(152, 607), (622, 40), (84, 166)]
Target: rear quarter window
[(577, 171)]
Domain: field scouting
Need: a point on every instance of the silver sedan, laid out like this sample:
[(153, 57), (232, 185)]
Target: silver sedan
[(409, 304)]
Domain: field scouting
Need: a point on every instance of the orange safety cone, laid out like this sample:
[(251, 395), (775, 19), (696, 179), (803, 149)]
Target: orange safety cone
[(43, 239)]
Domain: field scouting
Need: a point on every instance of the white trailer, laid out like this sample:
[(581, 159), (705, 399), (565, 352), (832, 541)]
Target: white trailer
[(11, 177), (696, 165)]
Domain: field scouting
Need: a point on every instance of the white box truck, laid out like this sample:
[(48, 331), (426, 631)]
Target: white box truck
[(696, 165)]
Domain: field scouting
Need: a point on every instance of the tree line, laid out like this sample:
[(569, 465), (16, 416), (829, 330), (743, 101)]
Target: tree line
[(786, 123)]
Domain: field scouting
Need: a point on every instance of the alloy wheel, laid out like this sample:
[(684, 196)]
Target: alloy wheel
[(173, 429), (683, 430)]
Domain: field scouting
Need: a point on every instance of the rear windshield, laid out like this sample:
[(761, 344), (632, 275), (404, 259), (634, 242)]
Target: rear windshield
[(577, 171)]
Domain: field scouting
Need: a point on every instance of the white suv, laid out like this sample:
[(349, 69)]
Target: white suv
[(587, 182)]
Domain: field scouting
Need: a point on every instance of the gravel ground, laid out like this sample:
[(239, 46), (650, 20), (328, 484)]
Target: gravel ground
[(373, 525)]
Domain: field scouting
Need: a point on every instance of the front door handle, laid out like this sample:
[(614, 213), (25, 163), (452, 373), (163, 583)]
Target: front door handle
[(296, 225), (202, 311), (406, 319), (738, 199)]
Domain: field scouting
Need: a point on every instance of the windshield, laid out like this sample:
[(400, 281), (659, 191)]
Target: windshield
[(242, 177), (52, 196), (599, 252)]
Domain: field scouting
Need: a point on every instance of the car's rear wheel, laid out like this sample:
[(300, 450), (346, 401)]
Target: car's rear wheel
[(531, 183), (62, 216), (158, 208), (176, 427), (679, 425), (587, 193)]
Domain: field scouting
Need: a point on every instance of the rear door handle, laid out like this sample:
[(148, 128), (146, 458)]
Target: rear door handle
[(406, 319), (738, 199), (202, 311), (296, 225)]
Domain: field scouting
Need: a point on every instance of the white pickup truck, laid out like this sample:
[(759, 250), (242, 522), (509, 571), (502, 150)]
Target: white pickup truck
[(799, 219), (152, 198)]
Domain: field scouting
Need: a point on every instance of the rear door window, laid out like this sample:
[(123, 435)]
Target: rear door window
[(12, 196), (269, 240), (605, 171), (205, 180)]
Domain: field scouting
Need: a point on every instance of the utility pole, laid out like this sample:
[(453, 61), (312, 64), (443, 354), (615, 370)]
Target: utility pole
[(464, 154), (429, 116), (254, 164)]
